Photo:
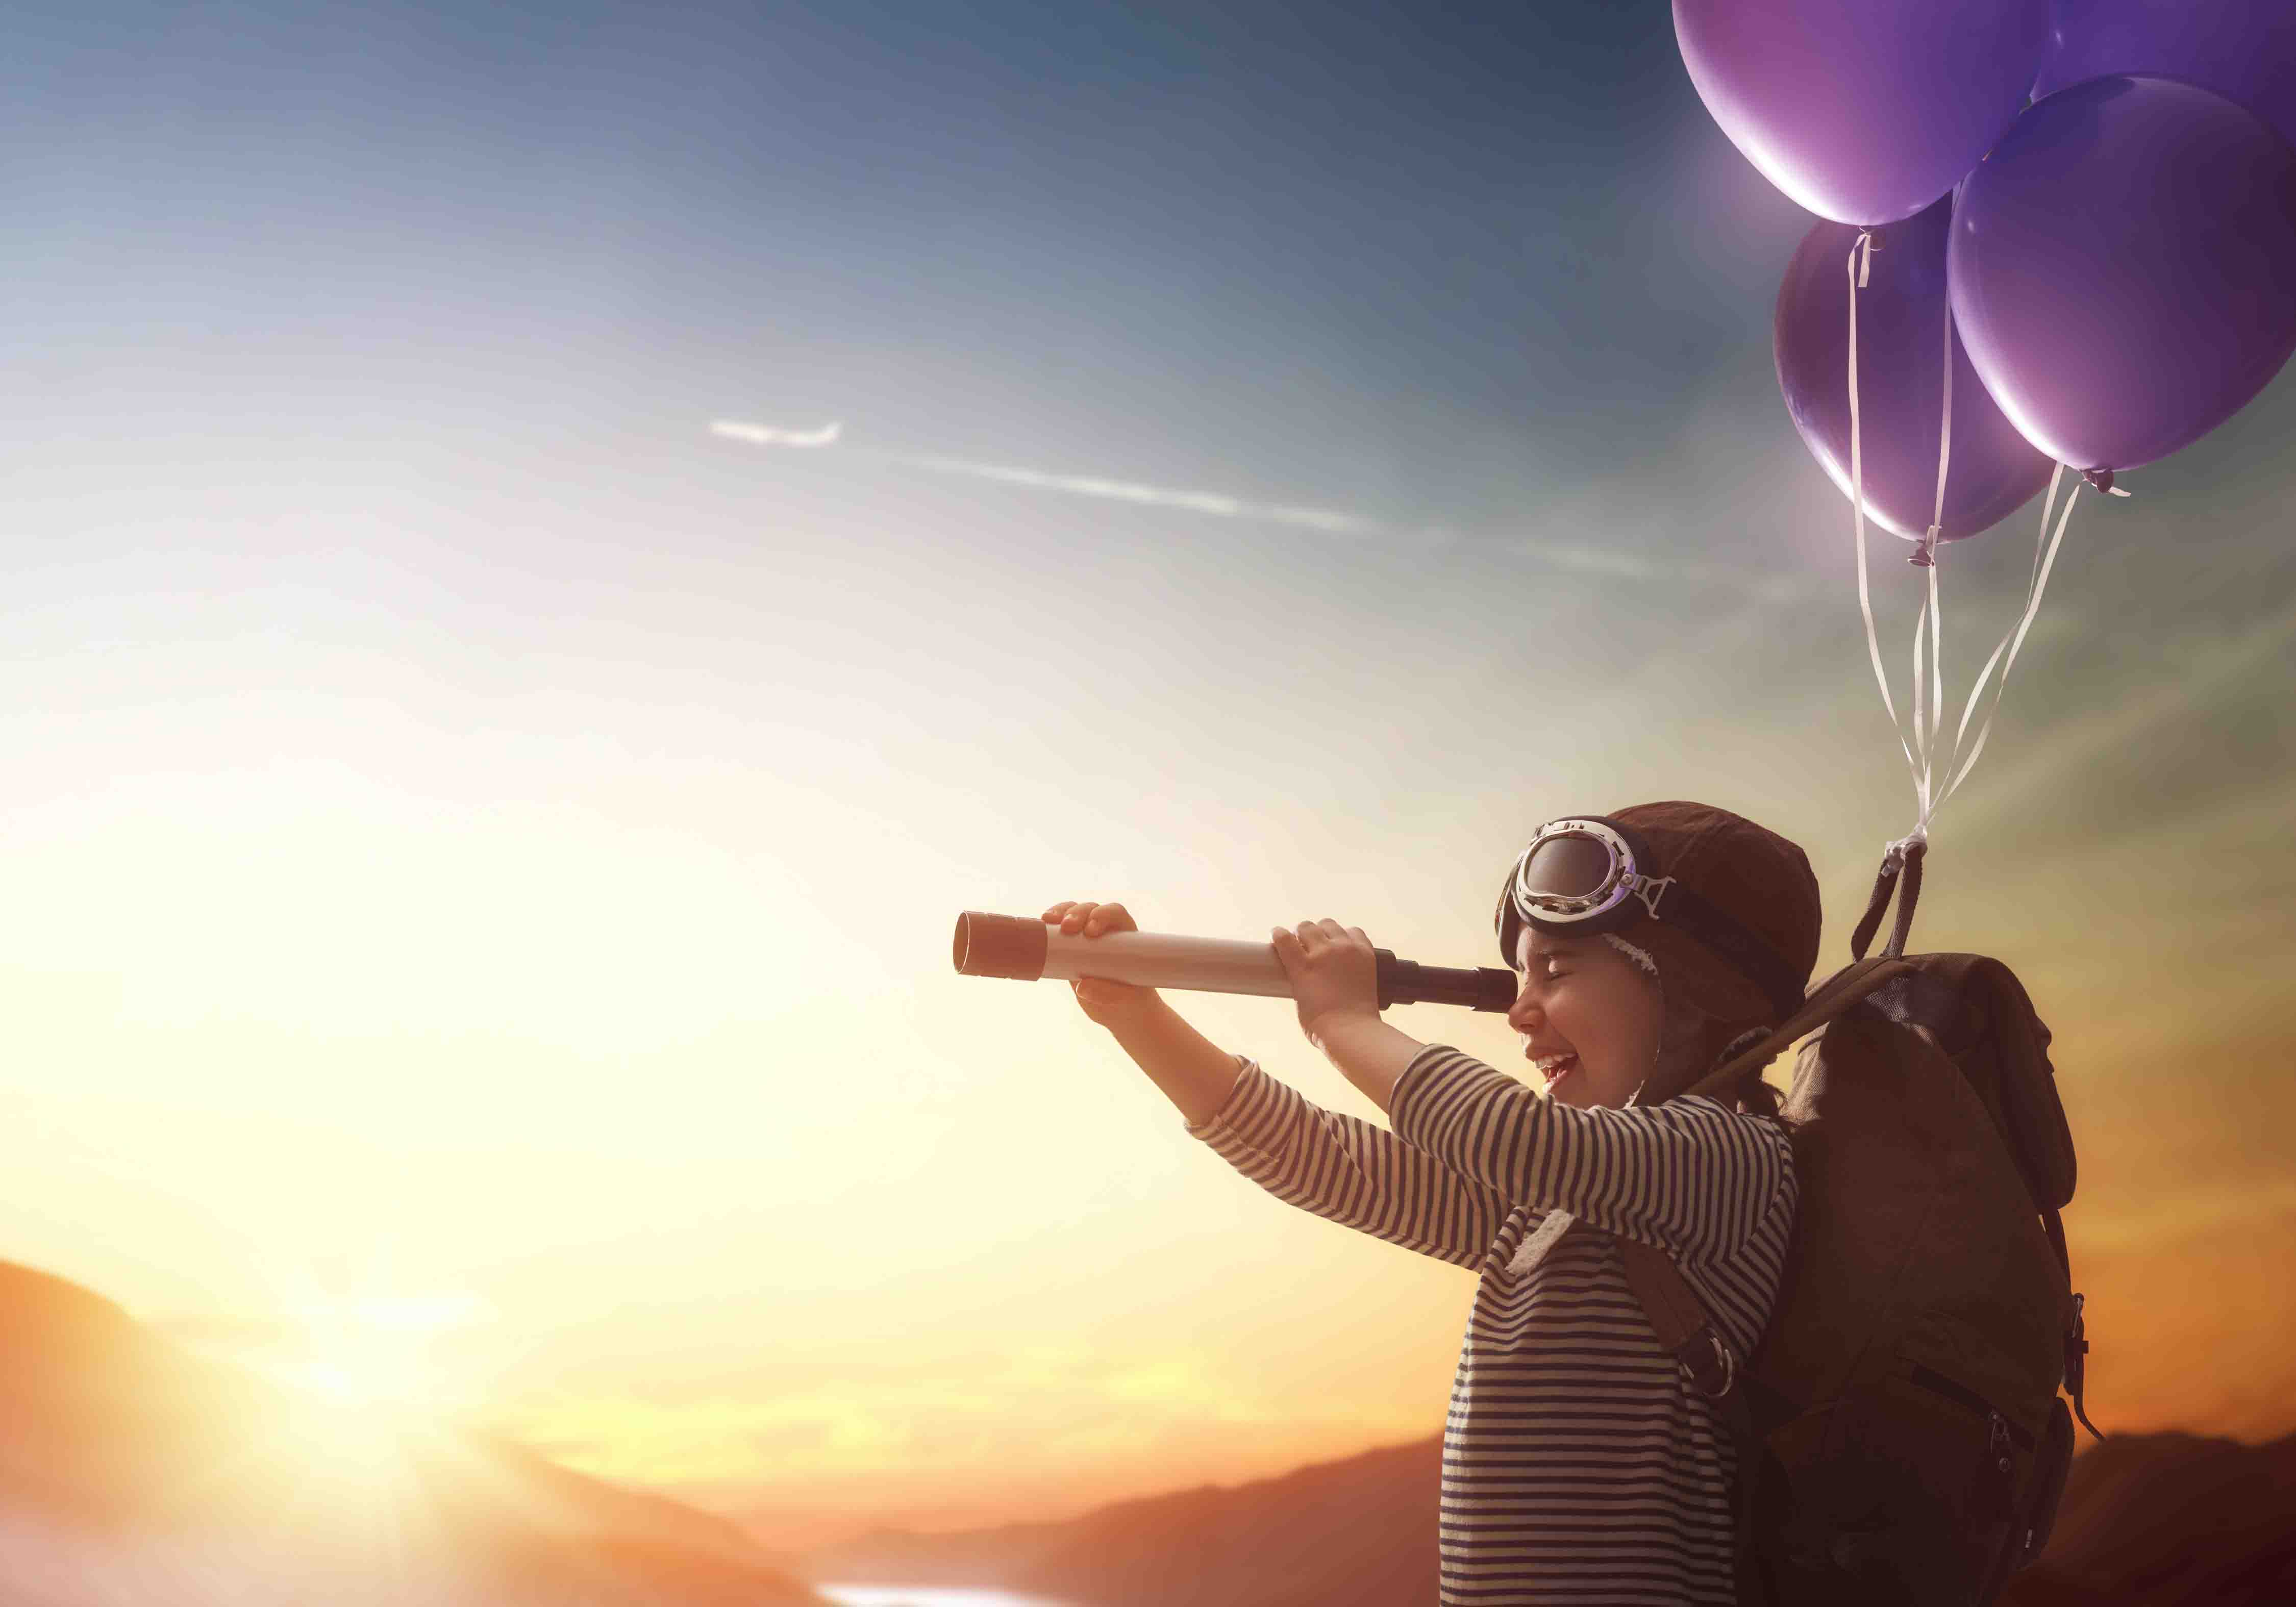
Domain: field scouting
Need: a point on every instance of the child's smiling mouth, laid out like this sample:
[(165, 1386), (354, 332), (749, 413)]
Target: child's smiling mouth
[(1554, 1067)]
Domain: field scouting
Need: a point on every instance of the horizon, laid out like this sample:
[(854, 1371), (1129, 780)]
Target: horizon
[(393, 1423), (556, 554), (326, 1434)]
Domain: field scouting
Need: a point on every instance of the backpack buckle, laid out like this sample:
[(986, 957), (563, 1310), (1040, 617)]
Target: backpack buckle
[(1701, 1372), (2076, 1351)]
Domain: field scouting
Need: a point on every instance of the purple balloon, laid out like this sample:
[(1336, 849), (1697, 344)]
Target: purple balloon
[(2245, 50), (2123, 267), (1900, 382), (1863, 110)]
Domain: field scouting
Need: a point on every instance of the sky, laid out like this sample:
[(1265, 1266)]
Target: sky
[(552, 550)]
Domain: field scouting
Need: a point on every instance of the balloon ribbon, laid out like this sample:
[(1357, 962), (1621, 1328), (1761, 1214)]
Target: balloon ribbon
[(1921, 750)]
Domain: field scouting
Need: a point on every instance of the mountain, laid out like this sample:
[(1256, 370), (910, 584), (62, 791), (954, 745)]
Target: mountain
[(1358, 1531), (2147, 1520), (1336, 1534), (132, 1470), (2171, 1520)]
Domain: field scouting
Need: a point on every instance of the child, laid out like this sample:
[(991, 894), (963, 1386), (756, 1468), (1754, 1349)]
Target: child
[(1579, 1463)]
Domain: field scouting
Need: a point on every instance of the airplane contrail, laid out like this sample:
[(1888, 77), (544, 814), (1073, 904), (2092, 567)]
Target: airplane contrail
[(1216, 504), (763, 436), (1573, 559)]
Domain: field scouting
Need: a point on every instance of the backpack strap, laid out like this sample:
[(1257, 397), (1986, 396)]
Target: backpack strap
[(1903, 858), (1672, 1306), (1674, 1311), (1827, 1000), (1667, 1299)]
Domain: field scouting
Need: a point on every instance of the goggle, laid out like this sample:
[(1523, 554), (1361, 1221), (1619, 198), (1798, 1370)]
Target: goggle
[(1583, 874)]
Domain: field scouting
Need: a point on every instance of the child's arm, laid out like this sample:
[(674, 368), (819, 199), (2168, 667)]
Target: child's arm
[(1335, 974), (1195, 1074), (1339, 1168), (1688, 1176)]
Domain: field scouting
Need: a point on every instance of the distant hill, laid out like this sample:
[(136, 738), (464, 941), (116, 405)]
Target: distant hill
[(133, 1471), (1355, 1533), (2148, 1521), (2171, 1520)]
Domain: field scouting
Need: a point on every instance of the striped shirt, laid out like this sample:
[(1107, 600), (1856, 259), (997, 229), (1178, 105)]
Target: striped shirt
[(1579, 1465)]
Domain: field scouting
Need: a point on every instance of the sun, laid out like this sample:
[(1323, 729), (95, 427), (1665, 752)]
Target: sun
[(376, 1353), (363, 1401), (360, 1415)]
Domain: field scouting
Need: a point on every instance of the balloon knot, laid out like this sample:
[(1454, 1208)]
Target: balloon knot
[(2102, 478), (1861, 252), (1925, 549)]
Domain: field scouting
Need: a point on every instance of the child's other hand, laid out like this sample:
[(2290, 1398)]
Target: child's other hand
[(1335, 974), (1107, 1004)]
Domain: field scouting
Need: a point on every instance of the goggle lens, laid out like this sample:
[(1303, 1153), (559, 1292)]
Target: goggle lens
[(1566, 867)]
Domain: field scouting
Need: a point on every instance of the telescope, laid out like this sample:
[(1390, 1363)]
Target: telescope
[(1028, 950)]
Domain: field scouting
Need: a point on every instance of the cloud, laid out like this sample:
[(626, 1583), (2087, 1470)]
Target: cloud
[(2214, 666), (2237, 1208), (1066, 1408), (765, 434)]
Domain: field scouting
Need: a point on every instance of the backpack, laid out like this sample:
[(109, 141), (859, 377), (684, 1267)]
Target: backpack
[(1901, 1441)]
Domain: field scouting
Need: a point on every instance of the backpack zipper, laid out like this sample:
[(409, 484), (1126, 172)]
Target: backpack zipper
[(1938, 1383)]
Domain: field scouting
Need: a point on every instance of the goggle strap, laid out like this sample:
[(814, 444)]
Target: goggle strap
[(1674, 905)]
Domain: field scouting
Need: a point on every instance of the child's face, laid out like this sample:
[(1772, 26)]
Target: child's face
[(1589, 1015)]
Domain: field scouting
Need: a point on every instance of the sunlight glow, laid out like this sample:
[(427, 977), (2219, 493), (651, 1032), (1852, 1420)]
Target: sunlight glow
[(372, 1355)]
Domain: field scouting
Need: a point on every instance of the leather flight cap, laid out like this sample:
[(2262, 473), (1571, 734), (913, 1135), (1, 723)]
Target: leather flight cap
[(1664, 898)]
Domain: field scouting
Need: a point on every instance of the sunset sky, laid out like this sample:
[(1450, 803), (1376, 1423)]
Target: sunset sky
[(480, 838)]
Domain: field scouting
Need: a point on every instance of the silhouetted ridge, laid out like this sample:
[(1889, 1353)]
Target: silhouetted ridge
[(47, 1312), (2148, 1521), (133, 1471), (2154, 1519), (1358, 1532)]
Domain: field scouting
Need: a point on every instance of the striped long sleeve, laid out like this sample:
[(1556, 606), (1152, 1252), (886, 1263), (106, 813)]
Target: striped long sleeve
[(1579, 1466), (1351, 1172), (1682, 1176)]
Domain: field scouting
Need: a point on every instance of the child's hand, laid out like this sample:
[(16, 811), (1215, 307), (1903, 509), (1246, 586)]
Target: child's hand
[(1108, 1004), (1335, 974)]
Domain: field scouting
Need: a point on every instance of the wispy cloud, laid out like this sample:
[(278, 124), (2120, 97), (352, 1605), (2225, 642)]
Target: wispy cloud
[(1065, 1404), (2214, 664)]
